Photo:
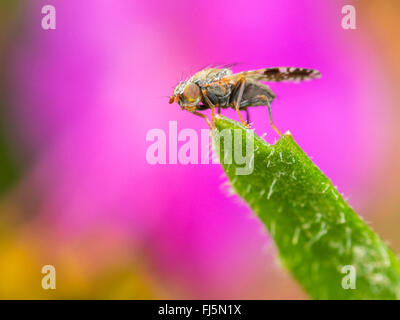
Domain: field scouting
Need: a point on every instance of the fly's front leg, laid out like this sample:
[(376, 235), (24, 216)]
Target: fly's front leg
[(239, 99), (212, 107), (203, 116)]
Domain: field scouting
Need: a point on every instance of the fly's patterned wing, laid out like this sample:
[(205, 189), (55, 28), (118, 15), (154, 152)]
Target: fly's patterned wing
[(288, 74)]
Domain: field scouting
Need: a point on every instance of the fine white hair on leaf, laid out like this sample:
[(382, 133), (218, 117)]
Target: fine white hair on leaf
[(271, 189)]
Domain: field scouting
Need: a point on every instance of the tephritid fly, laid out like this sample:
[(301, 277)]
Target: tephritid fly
[(219, 88)]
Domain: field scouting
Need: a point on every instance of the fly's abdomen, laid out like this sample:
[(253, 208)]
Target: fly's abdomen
[(256, 94)]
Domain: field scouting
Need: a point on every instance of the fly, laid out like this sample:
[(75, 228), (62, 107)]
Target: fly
[(219, 88)]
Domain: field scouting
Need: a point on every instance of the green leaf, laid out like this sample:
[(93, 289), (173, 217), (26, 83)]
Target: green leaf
[(319, 237)]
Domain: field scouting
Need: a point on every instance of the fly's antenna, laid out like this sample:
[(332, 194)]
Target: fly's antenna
[(162, 97)]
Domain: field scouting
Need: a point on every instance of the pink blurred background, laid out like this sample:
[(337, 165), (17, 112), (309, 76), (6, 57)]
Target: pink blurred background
[(78, 101)]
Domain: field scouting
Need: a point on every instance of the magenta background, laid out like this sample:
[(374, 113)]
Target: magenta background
[(86, 94)]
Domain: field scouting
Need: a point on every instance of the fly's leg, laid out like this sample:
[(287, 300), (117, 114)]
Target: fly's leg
[(219, 109), (268, 104), (203, 116), (270, 117), (239, 99), (247, 116), (211, 105)]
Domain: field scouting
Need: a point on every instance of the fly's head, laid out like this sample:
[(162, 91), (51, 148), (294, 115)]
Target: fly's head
[(187, 95)]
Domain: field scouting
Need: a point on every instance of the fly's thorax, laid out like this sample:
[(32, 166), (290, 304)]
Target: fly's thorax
[(219, 94)]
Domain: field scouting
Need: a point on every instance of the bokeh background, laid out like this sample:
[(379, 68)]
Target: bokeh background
[(76, 103)]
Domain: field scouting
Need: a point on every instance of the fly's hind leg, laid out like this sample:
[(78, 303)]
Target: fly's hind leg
[(270, 116), (247, 116), (239, 99)]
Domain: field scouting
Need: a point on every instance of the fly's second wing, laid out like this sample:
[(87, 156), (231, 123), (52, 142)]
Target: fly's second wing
[(278, 74)]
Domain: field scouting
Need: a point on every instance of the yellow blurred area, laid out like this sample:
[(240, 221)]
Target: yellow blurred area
[(84, 268)]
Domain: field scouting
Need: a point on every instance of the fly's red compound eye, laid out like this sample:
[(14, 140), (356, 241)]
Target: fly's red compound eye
[(192, 93)]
